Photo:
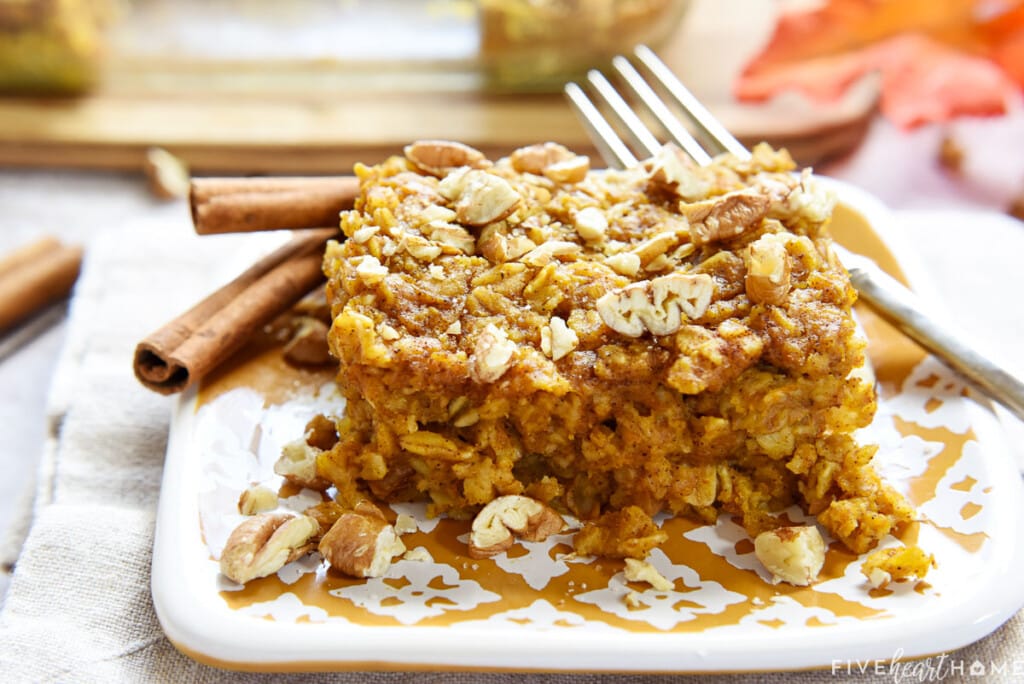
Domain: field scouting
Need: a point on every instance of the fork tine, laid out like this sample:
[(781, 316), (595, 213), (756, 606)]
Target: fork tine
[(704, 120), (641, 134), (676, 130), (613, 149)]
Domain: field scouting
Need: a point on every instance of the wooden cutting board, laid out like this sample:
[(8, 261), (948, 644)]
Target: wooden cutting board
[(294, 116), (271, 134)]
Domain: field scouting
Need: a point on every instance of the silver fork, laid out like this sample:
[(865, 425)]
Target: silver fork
[(883, 293)]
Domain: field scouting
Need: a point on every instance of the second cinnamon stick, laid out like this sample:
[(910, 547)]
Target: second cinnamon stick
[(35, 276), (234, 205), (184, 350)]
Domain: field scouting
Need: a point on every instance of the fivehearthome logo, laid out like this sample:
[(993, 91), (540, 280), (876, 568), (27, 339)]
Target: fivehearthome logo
[(933, 669)]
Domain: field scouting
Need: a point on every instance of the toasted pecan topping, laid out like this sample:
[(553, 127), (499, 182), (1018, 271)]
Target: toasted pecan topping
[(725, 217), (439, 157), (498, 524), (656, 306)]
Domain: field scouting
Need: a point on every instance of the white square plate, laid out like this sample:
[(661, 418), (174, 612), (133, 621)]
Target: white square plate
[(533, 609)]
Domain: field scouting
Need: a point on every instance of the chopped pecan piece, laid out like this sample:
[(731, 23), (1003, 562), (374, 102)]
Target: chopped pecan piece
[(624, 263), (361, 544), (479, 197), (543, 253), (557, 339), (308, 344), (439, 157), (571, 170), (264, 543), (792, 554), (297, 464), (656, 305), (370, 270), (642, 571), (535, 158), (591, 224), (673, 170), (767, 279), (725, 217), (256, 499), (493, 355), (498, 524)]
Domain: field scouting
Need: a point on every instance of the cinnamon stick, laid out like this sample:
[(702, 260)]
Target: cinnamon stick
[(235, 205), (27, 254), (35, 276), (176, 355)]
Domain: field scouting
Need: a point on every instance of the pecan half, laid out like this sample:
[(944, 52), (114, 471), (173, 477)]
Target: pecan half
[(439, 157), (264, 543), (502, 520)]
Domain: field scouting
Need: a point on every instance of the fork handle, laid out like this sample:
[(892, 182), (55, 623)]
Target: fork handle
[(900, 307)]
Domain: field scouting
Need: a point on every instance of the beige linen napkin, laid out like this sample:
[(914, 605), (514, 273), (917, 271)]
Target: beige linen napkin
[(79, 606)]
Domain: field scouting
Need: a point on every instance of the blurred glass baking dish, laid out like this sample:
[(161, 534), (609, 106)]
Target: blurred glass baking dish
[(51, 45), (370, 45), (536, 44)]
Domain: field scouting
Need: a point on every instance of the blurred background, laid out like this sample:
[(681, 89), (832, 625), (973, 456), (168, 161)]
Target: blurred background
[(311, 86)]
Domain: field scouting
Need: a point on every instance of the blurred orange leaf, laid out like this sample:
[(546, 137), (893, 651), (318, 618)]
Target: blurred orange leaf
[(937, 59), (1004, 35)]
